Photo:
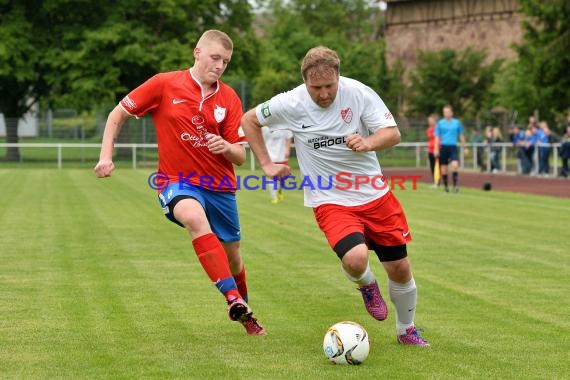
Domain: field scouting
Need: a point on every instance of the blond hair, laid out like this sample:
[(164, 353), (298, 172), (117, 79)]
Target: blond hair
[(214, 35), (496, 131), (320, 61)]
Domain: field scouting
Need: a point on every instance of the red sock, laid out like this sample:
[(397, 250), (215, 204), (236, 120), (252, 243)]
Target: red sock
[(215, 262), (241, 283)]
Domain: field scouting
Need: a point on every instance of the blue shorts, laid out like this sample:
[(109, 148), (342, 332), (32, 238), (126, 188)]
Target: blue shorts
[(220, 208), (448, 153)]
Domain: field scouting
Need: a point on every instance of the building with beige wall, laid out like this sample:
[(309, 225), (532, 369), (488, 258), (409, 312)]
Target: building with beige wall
[(431, 25)]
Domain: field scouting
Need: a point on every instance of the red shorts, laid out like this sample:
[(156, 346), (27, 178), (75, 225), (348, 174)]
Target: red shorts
[(382, 221)]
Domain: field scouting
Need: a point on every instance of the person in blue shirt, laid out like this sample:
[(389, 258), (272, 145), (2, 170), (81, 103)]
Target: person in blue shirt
[(544, 148), (518, 139), (565, 150), (536, 135), (447, 132)]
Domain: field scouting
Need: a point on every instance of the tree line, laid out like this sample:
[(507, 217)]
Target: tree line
[(88, 55)]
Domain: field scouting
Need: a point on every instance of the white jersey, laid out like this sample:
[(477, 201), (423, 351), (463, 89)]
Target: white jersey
[(276, 142), (331, 172)]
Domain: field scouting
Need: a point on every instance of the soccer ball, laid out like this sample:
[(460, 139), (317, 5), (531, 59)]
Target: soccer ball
[(346, 343)]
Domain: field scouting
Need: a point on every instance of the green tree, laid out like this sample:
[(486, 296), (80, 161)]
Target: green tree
[(21, 83), (539, 79), (351, 27), (451, 77), (349, 20), (286, 40), (514, 91), (83, 55)]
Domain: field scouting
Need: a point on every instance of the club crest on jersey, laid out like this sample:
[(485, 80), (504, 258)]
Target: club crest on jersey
[(197, 120), (346, 115), (219, 113)]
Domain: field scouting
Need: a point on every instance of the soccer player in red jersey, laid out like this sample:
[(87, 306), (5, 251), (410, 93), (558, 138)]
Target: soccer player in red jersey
[(338, 124), (197, 120)]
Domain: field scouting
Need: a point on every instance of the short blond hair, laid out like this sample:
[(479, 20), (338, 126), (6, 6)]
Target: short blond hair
[(320, 60), (214, 35)]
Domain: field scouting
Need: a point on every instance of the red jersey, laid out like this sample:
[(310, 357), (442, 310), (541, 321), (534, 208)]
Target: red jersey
[(182, 117), (430, 133)]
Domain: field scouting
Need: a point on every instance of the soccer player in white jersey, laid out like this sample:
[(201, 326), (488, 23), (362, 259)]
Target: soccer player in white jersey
[(338, 123), (278, 143)]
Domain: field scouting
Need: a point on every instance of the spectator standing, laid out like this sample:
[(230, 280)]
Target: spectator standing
[(477, 139), (496, 139), (430, 133), (565, 150), (517, 139), (544, 148)]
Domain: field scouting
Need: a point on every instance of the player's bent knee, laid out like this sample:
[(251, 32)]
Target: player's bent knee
[(398, 267), (189, 215), (399, 270), (347, 243), (193, 224), (356, 260)]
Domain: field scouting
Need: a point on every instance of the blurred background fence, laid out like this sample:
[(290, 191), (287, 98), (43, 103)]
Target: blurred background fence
[(65, 139), (405, 155)]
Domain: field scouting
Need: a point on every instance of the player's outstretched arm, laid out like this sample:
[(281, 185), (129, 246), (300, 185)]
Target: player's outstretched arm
[(252, 129), (236, 154), (115, 121), (383, 138)]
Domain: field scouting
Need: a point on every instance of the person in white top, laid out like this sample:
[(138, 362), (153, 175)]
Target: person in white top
[(278, 143), (338, 125)]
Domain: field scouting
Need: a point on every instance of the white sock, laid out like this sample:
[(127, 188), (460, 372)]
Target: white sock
[(366, 278), (404, 298), (272, 193)]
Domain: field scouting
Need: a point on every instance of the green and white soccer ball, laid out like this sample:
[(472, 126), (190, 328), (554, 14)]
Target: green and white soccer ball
[(346, 343)]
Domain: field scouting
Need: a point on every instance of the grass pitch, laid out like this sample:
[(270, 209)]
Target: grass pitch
[(95, 283)]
